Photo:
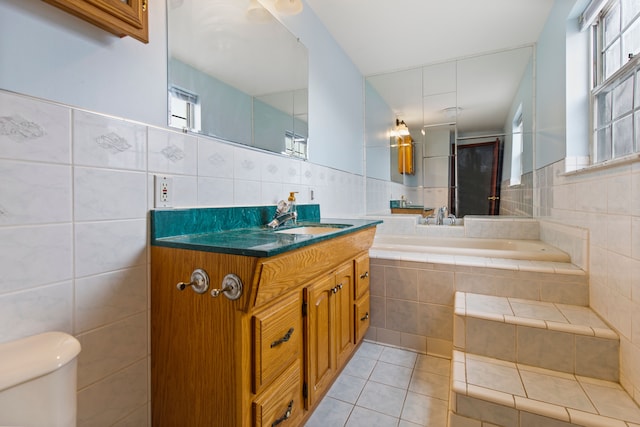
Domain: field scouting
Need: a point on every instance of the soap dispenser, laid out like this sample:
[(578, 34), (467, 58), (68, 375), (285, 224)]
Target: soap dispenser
[(292, 202)]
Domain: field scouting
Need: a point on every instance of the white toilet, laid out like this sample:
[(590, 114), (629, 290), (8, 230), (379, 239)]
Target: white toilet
[(38, 381)]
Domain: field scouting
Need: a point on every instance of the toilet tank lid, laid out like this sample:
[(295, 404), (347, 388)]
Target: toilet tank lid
[(31, 357)]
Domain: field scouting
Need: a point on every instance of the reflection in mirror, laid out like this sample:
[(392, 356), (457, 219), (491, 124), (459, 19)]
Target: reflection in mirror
[(236, 73), (452, 109)]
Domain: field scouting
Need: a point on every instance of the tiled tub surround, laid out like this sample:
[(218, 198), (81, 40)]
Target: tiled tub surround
[(528, 351), (490, 392), (562, 337), (522, 363), (572, 239), (412, 302), (531, 250), (412, 293), (74, 205)]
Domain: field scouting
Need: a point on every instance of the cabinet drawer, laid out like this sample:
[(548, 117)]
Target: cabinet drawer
[(362, 318), (277, 340), (281, 404), (362, 276)]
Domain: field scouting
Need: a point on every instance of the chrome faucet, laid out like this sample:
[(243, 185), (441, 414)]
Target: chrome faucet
[(282, 215), (282, 218), (441, 216), (443, 213)]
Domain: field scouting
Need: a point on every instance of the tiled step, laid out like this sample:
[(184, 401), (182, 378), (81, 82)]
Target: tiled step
[(565, 338), (487, 391)]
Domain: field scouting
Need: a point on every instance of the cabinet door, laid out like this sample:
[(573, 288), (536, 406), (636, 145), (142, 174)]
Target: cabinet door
[(120, 17), (321, 363), (343, 292)]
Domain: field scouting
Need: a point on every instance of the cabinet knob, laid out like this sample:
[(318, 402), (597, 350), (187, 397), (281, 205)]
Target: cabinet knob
[(364, 275), (365, 317), (231, 287), (199, 282)]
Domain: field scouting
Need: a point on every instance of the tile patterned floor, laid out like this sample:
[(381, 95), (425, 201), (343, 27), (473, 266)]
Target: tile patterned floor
[(387, 386)]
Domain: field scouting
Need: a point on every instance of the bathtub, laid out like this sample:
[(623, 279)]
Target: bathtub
[(532, 250)]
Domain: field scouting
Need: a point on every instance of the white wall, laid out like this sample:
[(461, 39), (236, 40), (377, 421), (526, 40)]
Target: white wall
[(336, 106), (48, 53), (551, 86), (378, 122)]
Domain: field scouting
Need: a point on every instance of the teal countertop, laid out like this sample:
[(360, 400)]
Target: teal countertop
[(241, 230)]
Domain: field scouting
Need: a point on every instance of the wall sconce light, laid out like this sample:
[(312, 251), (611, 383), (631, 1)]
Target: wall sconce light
[(288, 7), (401, 128)]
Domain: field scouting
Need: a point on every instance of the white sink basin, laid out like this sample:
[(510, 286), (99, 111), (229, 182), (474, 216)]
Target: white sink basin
[(309, 230)]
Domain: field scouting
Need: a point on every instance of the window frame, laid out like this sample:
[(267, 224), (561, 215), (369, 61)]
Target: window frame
[(602, 86), (517, 134), (191, 105)]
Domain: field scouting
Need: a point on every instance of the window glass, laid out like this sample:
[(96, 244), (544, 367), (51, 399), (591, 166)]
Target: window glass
[(623, 137), (630, 8), (637, 91), (611, 25), (516, 148), (604, 108), (623, 97), (631, 40), (637, 132), (184, 109), (603, 147), (612, 59), (295, 145)]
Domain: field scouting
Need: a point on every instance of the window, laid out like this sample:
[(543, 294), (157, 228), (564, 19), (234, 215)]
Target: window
[(184, 109), (616, 75), (295, 145), (516, 148)]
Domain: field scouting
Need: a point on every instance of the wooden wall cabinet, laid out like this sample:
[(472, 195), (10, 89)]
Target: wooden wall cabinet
[(119, 17), (266, 358)]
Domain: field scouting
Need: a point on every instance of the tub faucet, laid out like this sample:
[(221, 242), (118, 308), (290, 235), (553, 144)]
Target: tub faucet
[(443, 213)]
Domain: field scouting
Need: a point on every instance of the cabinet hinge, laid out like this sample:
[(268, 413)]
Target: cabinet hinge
[(305, 390), (304, 309)]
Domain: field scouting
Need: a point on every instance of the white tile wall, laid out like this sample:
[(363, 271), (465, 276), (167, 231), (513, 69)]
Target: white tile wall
[(77, 187), (607, 206)]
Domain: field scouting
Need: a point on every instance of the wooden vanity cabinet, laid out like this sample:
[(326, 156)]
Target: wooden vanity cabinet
[(266, 358)]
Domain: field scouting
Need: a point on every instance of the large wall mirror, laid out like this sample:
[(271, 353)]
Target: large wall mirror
[(471, 123), (236, 73)]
